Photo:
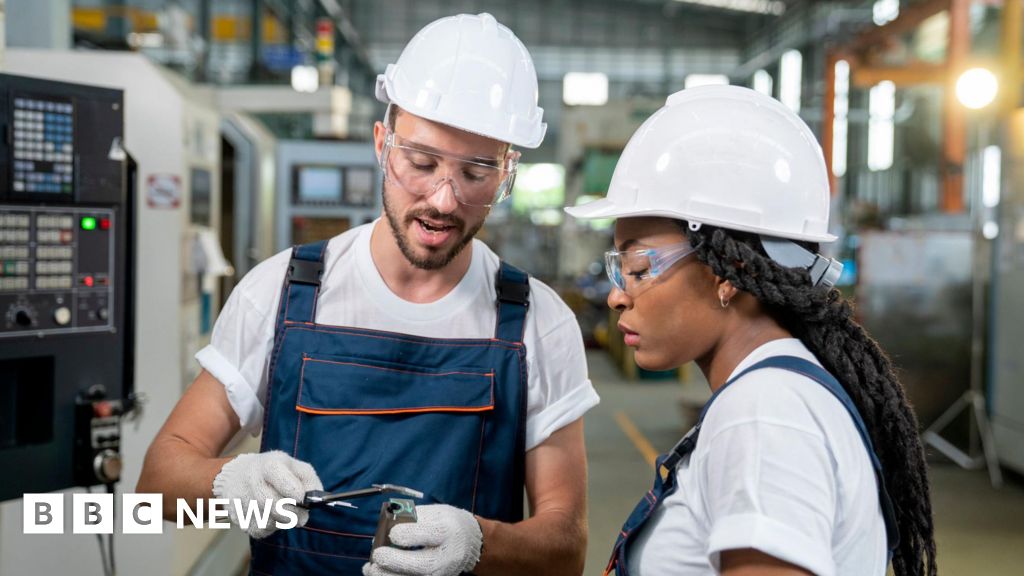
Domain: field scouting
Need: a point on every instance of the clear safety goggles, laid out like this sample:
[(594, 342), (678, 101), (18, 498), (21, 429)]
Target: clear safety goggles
[(634, 271), (481, 182)]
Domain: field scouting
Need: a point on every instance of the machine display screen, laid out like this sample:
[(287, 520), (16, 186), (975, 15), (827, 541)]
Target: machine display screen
[(319, 184), (43, 145), (359, 187)]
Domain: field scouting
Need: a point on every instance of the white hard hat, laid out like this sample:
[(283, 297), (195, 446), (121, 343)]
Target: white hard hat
[(723, 156), (472, 73)]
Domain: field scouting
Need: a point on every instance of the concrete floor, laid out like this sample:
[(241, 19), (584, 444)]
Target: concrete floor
[(979, 530)]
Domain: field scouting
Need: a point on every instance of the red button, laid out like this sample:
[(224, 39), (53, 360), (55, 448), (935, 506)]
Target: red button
[(87, 281), (104, 223), (102, 409)]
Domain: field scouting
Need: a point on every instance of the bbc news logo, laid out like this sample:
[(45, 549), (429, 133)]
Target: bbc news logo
[(143, 513)]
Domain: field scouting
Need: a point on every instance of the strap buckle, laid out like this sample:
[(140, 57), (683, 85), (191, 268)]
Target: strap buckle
[(513, 293), (305, 271)]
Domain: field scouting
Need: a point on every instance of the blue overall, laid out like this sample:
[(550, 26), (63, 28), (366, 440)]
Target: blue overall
[(664, 487), (443, 416)]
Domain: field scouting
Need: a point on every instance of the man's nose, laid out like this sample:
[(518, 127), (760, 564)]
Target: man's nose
[(442, 197)]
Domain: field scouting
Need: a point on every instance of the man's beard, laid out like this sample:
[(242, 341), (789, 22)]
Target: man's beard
[(436, 259)]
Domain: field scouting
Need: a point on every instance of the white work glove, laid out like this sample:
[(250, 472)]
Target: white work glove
[(448, 542), (259, 477)]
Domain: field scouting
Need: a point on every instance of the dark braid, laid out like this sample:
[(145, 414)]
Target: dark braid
[(822, 320)]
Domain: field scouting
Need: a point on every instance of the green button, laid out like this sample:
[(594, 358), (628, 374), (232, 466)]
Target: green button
[(88, 223)]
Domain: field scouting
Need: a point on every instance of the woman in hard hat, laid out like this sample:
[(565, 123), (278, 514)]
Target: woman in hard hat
[(807, 457)]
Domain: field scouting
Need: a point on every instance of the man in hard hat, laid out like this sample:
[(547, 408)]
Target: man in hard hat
[(404, 352)]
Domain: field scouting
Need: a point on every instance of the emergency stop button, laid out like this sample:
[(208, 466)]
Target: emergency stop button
[(62, 316)]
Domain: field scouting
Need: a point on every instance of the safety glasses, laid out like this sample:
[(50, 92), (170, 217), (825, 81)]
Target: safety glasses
[(481, 182), (634, 271)]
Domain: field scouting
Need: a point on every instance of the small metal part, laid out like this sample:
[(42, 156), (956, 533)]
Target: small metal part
[(394, 511), (322, 498), (392, 488)]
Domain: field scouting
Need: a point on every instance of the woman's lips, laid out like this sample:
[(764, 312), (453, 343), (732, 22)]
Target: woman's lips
[(630, 337)]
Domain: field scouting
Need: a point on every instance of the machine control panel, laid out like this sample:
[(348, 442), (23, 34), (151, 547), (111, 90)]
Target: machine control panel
[(43, 144), (56, 270), (67, 229)]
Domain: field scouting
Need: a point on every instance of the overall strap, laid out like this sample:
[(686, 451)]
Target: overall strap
[(513, 288), (302, 282)]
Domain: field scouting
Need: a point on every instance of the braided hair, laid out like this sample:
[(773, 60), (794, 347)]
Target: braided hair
[(822, 320)]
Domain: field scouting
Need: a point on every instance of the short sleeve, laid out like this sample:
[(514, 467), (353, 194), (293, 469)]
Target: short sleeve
[(239, 352), (769, 480), (560, 391)]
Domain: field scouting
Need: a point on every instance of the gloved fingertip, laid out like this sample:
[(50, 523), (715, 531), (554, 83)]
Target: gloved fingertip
[(413, 535), (387, 560), (404, 535)]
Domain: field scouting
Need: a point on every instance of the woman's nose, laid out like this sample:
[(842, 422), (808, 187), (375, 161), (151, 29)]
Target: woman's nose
[(619, 300)]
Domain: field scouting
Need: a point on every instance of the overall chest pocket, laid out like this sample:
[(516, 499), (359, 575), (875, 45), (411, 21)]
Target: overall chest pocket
[(372, 422)]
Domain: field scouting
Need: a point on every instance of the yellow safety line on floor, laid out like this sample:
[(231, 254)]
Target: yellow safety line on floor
[(638, 439)]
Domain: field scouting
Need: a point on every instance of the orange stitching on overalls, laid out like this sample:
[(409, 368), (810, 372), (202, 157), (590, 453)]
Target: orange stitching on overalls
[(381, 411), (479, 461), (298, 423), (492, 387)]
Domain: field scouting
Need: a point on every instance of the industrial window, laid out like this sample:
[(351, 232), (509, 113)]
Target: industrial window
[(790, 78), (763, 82), (881, 107), (840, 122)]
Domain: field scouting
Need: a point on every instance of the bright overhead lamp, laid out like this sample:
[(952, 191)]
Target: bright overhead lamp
[(305, 78), (585, 89), (977, 88)]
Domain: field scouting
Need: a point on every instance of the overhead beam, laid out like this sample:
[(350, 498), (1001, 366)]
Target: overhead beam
[(901, 76), (954, 138)]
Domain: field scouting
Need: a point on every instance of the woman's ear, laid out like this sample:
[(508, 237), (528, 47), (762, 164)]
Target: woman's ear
[(726, 291)]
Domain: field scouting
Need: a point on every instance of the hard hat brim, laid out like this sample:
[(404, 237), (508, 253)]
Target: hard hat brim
[(606, 208), (603, 208)]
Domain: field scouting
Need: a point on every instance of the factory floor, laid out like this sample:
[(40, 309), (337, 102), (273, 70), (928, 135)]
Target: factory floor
[(979, 530)]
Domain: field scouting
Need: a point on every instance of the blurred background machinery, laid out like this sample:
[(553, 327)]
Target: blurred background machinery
[(66, 285)]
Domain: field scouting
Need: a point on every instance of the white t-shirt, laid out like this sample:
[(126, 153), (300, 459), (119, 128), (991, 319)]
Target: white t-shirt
[(354, 294), (779, 467)]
